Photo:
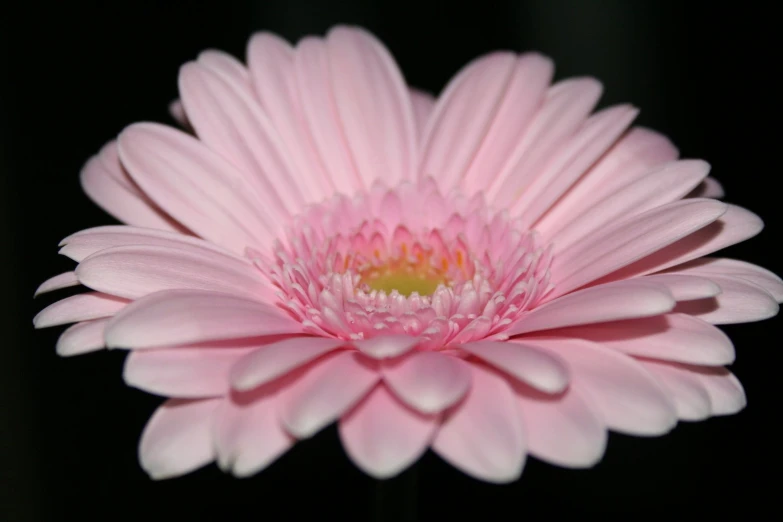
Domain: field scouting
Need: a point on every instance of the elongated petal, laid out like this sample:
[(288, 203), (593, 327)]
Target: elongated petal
[(571, 161), (732, 268), (564, 429), (58, 282), (313, 83), (87, 242), (177, 111), (276, 359), (80, 307), (189, 316), (709, 188), (522, 94), (537, 368), (382, 436), (734, 226), (271, 63), (196, 186), (609, 302), (230, 121), (629, 399), (686, 287), (228, 67), (325, 391), (725, 393), (621, 244), (247, 432), (373, 105), (178, 438), (462, 115), (429, 382), (566, 107), (483, 436), (727, 396), (630, 159), (423, 104), (671, 337), (740, 301), (82, 338), (182, 372), (107, 183), (690, 396), (661, 186), (136, 271), (385, 346)]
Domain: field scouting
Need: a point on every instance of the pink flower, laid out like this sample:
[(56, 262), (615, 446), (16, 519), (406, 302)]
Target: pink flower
[(490, 275)]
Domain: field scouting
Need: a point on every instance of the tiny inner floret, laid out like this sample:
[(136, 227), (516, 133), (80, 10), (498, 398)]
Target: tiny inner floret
[(371, 265)]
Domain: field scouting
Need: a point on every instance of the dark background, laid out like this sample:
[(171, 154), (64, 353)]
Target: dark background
[(75, 73)]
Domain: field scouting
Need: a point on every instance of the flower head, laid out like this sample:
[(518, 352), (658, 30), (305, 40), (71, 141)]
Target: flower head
[(493, 274)]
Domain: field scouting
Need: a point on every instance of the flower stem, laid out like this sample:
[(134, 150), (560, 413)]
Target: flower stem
[(396, 498)]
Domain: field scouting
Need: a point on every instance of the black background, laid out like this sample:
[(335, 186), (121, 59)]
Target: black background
[(75, 73)]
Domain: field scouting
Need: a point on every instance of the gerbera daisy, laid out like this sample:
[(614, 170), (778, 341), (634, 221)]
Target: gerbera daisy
[(491, 274)]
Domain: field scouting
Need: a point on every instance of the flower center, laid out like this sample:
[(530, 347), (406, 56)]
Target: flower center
[(375, 264)]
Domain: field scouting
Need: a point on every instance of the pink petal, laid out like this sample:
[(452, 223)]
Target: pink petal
[(423, 104), (182, 372), (573, 159), (564, 429), (382, 436), (736, 225), (177, 111), (672, 337), (191, 316), (136, 271), (629, 240), (608, 302), (228, 67), (740, 301), (271, 63), (483, 436), (105, 181), (313, 83), (689, 394), (373, 106), (633, 156), (538, 368), (230, 122), (727, 396), (58, 282), (247, 432), (733, 269), (481, 116), (686, 287), (709, 188), (273, 360), (629, 399), (178, 438), (196, 186), (428, 382), (325, 391), (385, 346), (80, 307), (87, 242), (725, 393), (663, 185), (565, 108), (521, 97), (82, 338)]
